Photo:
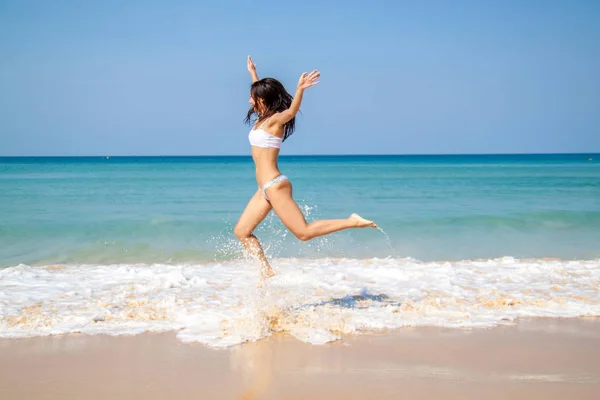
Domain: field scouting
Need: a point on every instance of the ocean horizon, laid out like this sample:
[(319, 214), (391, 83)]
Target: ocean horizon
[(304, 155)]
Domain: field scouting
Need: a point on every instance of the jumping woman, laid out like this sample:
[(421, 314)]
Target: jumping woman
[(273, 115)]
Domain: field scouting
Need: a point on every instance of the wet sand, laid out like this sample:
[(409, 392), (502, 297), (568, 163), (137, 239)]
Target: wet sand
[(541, 358)]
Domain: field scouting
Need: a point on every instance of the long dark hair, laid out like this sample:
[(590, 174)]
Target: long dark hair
[(275, 98)]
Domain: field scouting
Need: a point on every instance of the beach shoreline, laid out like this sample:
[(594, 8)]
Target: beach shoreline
[(537, 358)]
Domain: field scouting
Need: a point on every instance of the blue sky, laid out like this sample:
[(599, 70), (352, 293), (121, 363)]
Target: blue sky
[(398, 77)]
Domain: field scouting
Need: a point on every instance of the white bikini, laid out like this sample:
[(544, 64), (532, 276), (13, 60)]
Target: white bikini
[(260, 138)]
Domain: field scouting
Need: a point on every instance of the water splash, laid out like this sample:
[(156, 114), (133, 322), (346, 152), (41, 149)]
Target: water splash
[(387, 238)]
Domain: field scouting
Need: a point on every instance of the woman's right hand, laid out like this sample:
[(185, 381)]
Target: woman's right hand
[(251, 65), (252, 69)]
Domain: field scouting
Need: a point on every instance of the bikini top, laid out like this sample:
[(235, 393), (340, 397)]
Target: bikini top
[(260, 138)]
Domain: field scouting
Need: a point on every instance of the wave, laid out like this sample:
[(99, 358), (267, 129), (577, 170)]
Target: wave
[(315, 300)]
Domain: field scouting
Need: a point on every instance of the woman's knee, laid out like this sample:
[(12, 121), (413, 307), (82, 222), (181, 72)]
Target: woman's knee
[(241, 234), (302, 235)]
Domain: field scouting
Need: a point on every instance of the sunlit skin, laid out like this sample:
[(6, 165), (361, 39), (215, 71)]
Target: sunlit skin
[(280, 194)]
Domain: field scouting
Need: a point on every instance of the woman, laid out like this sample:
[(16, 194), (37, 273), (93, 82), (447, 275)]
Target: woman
[(276, 114)]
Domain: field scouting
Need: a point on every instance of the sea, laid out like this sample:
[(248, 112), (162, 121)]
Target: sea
[(127, 245)]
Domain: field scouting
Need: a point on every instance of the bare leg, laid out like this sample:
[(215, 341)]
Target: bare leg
[(256, 211), (288, 211), (253, 247)]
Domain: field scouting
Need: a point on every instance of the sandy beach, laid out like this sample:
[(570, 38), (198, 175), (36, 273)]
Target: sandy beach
[(541, 358)]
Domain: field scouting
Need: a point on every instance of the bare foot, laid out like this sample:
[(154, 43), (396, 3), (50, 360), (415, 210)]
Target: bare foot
[(266, 271), (264, 276), (361, 222)]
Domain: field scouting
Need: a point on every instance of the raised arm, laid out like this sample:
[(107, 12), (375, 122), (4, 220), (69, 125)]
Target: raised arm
[(252, 70), (306, 80)]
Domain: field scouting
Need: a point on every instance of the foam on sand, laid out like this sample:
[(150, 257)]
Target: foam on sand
[(315, 300)]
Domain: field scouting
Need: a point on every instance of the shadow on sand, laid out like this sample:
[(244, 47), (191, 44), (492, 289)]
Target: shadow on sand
[(362, 300)]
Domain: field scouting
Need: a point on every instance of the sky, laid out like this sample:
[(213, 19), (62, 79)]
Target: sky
[(398, 77)]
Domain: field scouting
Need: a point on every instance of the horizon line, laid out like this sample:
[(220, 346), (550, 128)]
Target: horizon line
[(294, 155)]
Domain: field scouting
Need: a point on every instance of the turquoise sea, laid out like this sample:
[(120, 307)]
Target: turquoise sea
[(125, 245), (183, 209)]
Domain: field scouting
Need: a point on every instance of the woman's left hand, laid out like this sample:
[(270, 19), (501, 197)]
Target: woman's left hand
[(308, 80)]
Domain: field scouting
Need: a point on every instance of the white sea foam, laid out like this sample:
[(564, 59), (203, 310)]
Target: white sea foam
[(314, 300)]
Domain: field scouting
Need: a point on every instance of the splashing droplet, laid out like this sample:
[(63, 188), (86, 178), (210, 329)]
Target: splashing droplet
[(387, 238)]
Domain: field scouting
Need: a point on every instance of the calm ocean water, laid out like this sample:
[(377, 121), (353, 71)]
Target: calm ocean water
[(85, 236), (183, 209)]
